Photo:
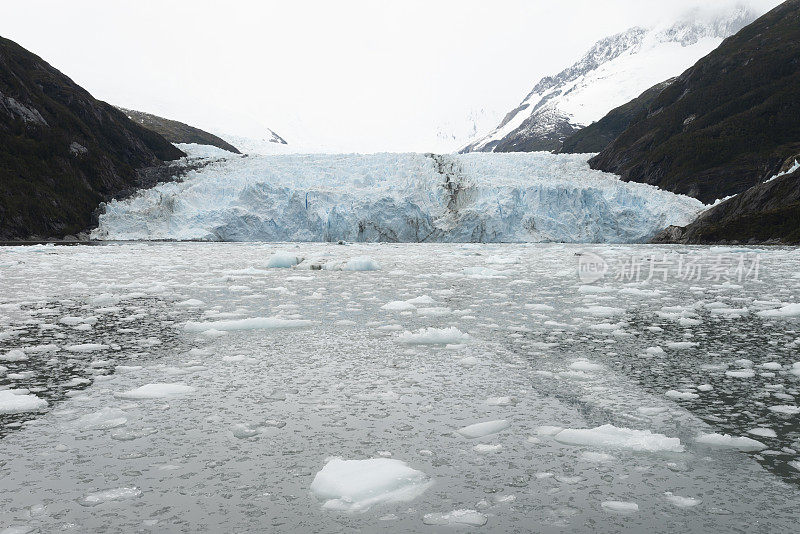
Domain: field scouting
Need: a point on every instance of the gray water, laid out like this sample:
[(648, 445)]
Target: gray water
[(271, 406)]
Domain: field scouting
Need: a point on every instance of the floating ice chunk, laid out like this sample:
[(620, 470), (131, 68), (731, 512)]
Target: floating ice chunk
[(253, 323), (469, 361), (547, 430), (439, 311), (191, 303), (741, 373), (681, 395), (361, 263), (484, 273), (609, 436), (602, 311), (763, 432), (422, 300), (596, 457), (705, 387), (539, 307), (585, 365), (655, 351), (795, 369), (434, 336), (681, 502), (87, 347), (790, 310), (786, 409), (156, 391), (356, 485), (19, 401), (398, 305), (103, 419), (771, 366), (499, 401), (14, 355), (593, 290), (117, 494), (487, 447), (283, 260), (479, 430), (456, 517), (681, 345), (620, 507), (730, 442)]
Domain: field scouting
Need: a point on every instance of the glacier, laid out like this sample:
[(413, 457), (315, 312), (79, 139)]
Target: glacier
[(480, 197)]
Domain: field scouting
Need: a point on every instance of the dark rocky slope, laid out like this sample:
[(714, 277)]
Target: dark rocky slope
[(62, 152), (727, 123), (766, 213), (178, 132), (598, 135)]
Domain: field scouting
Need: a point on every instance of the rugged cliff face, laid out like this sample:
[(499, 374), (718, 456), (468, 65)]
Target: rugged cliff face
[(602, 133), (62, 152), (178, 132), (727, 123), (766, 213)]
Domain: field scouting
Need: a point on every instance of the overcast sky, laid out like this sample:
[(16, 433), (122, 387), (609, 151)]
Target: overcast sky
[(352, 75)]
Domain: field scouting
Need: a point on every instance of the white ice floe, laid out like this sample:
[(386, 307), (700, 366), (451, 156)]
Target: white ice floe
[(434, 336), (611, 437), (283, 260), (361, 263), (763, 432), (470, 518), (786, 409), (681, 502), (87, 347), (789, 310), (156, 391), (253, 323), (102, 419), (730, 442), (356, 485), (116, 494), (398, 305), (620, 507), (12, 401), (479, 430), (681, 395), (14, 355), (741, 373)]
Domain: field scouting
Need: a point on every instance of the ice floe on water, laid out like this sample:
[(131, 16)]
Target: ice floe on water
[(357, 485), (16, 401), (220, 389), (611, 437), (156, 391), (479, 430), (434, 336)]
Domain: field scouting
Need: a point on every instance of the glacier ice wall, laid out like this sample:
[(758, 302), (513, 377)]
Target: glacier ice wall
[(520, 197)]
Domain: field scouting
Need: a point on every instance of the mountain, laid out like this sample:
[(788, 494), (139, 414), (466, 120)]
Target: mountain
[(616, 70), (727, 123), (766, 213), (178, 132), (62, 152), (602, 133)]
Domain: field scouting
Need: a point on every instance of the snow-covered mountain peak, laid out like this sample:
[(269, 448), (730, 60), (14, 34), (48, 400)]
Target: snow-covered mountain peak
[(614, 71)]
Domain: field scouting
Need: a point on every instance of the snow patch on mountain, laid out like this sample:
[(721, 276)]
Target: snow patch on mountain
[(616, 70), (398, 197)]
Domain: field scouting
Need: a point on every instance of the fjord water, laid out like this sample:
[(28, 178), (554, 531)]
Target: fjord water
[(191, 388)]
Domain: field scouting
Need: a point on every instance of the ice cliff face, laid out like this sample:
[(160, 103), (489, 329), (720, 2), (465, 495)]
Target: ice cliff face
[(616, 70), (398, 197)]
